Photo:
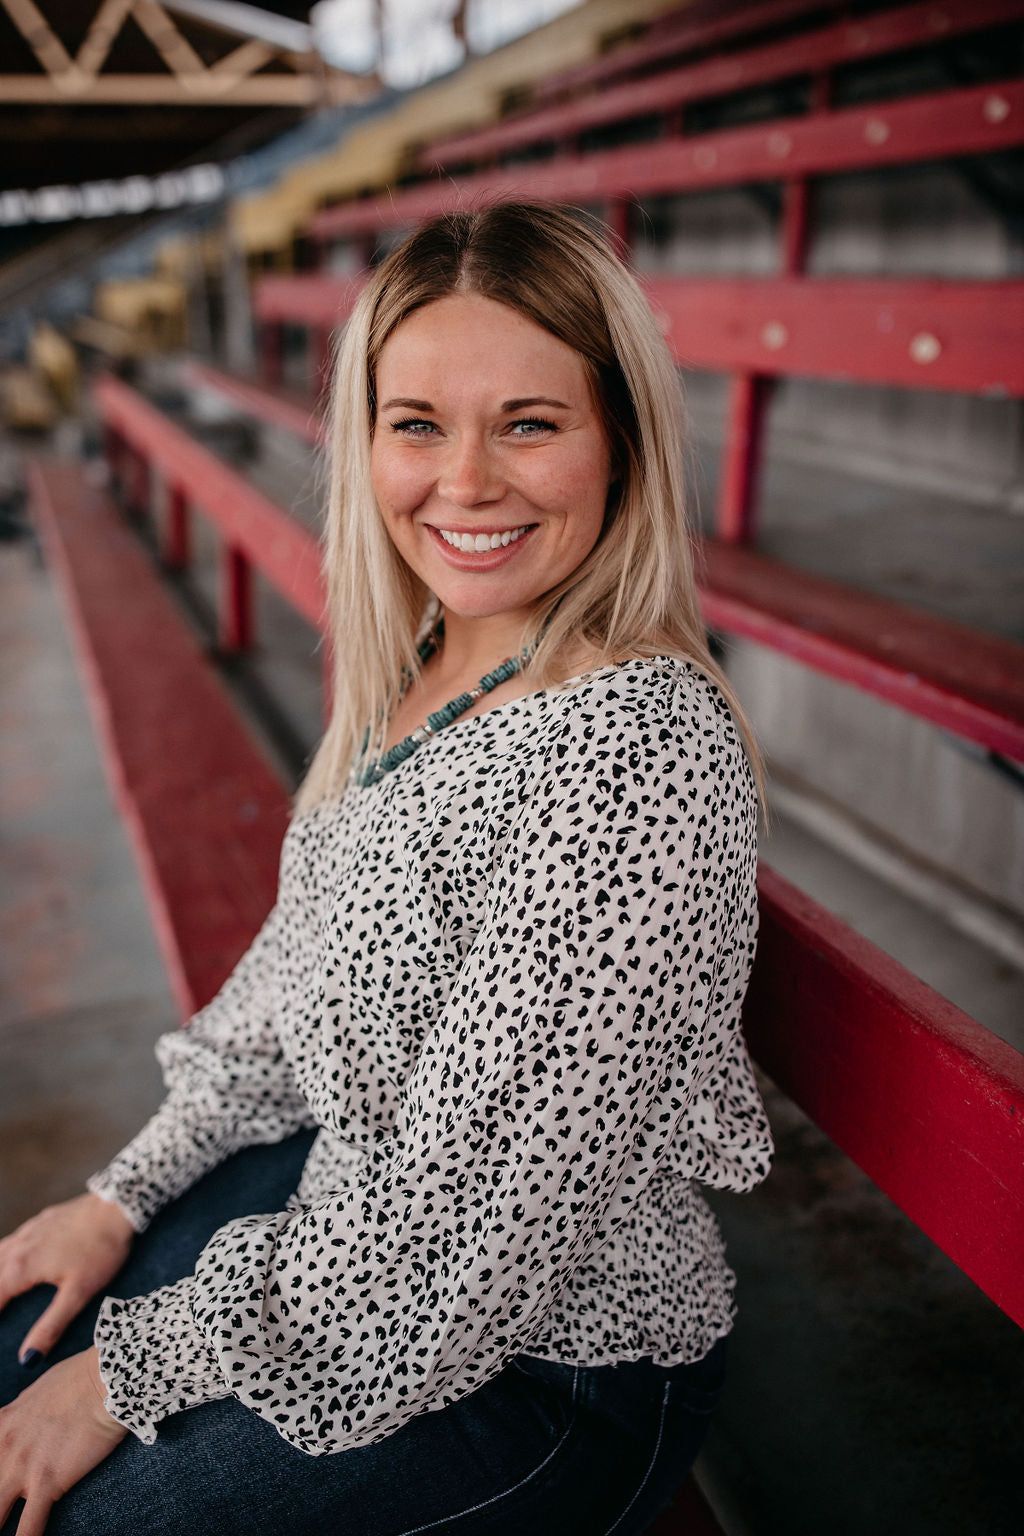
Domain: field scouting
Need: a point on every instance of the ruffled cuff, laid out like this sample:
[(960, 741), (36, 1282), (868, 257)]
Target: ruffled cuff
[(153, 1359), (161, 1162), (106, 1186)]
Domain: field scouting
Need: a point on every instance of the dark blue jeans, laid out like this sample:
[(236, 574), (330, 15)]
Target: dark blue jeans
[(542, 1448)]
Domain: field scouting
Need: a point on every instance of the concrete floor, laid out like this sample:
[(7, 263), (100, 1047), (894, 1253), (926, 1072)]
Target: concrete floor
[(82, 989), (873, 1388)]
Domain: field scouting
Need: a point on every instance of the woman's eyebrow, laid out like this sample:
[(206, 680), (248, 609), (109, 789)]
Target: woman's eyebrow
[(520, 405), (404, 404)]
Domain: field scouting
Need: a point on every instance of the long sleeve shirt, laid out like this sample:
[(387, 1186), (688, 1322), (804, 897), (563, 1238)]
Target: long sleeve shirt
[(505, 982)]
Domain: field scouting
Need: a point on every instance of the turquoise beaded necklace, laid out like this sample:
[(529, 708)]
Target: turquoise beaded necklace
[(372, 772)]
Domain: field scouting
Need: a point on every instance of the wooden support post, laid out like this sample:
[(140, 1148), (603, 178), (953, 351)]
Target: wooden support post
[(113, 449), (139, 491), (736, 513), (619, 216), (321, 344), (271, 348), (796, 193), (796, 197), (236, 626), (177, 533)]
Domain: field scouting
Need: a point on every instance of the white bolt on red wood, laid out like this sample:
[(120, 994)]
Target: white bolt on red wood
[(705, 158), (774, 335), (924, 347), (996, 109), (876, 130), (779, 144)]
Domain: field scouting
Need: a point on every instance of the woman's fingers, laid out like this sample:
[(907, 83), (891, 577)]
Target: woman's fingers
[(48, 1328), (34, 1516), (78, 1247), (51, 1435)]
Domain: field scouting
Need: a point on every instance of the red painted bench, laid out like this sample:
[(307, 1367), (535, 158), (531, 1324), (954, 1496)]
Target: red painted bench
[(670, 38), (806, 55), (274, 407), (204, 811)]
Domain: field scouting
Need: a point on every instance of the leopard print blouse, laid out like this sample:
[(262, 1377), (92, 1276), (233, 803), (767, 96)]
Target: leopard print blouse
[(504, 981)]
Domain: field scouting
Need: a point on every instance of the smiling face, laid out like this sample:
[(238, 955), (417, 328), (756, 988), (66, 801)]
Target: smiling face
[(490, 462)]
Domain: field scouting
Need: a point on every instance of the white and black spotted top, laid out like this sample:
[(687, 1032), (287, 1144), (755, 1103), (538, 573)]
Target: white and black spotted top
[(505, 982)]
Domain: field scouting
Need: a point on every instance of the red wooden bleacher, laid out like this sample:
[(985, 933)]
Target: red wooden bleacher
[(696, 28), (282, 408), (254, 532), (804, 55), (940, 125), (204, 810)]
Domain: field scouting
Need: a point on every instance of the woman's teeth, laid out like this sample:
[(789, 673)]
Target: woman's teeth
[(476, 543)]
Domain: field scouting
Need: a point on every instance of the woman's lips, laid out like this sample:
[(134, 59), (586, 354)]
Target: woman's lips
[(478, 560)]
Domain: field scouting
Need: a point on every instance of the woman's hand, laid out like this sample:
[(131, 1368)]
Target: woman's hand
[(55, 1432), (78, 1246)]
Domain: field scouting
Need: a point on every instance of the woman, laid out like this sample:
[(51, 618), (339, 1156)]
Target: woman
[(502, 979)]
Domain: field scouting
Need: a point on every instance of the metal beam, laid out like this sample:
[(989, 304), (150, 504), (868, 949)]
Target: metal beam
[(209, 89), (281, 32)]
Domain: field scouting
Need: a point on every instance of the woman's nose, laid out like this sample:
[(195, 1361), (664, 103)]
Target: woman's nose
[(470, 474)]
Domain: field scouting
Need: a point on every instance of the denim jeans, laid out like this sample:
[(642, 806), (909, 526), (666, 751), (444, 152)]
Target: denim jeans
[(540, 1448)]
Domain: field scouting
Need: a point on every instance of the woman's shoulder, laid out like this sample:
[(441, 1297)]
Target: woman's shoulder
[(648, 693), (661, 716)]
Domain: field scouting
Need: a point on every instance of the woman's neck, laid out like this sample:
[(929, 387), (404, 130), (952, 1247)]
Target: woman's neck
[(473, 647)]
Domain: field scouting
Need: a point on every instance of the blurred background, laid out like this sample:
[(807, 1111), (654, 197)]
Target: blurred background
[(826, 203)]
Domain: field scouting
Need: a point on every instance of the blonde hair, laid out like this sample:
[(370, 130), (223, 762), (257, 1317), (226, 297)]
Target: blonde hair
[(635, 594)]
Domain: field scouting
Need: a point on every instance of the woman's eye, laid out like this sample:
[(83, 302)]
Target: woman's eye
[(414, 426), (532, 426)]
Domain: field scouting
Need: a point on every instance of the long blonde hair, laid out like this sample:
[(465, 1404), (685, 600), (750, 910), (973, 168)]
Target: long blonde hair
[(634, 595)]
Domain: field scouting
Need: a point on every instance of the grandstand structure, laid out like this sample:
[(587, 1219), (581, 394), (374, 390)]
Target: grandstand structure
[(823, 202)]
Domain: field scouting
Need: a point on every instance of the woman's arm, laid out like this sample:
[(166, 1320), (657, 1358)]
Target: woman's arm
[(600, 994), (229, 1085)]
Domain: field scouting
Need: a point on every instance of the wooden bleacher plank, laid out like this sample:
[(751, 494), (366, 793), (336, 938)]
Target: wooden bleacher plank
[(842, 43), (204, 811), (924, 1099), (277, 407), (940, 125), (923, 334), (313, 299), (966, 682), (668, 37), (248, 521)]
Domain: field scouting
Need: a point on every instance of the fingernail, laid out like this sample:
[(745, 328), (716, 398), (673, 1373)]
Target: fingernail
[(30, 1357)]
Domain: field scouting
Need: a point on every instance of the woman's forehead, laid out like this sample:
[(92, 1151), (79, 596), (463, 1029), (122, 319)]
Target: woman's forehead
[(467, 338)]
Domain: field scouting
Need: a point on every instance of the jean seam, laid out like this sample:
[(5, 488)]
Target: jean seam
[(432, 1525), (650, 1466)]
